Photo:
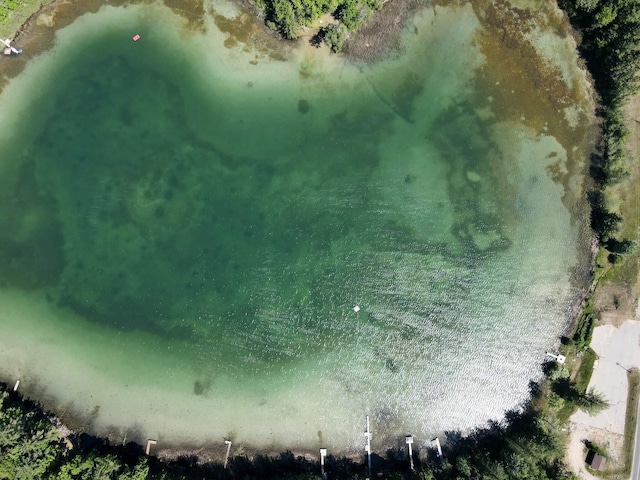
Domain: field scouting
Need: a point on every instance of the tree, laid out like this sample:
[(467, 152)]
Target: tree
[(621, 247), (607, 15), (592, 402), (334, 36), (462, 466)]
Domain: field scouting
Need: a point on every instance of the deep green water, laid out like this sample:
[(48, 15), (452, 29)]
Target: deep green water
[(238, 222)]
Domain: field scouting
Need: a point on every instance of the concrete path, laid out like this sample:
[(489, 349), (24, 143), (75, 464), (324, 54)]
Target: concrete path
[(618, 349)]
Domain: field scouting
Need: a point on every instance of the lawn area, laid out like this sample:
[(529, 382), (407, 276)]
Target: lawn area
[(13, 13), (631, 418)]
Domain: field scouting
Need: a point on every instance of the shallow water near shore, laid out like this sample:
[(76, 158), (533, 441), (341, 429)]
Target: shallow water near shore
[(187, 222)]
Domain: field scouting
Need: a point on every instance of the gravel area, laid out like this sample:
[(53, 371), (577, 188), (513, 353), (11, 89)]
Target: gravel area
[(618, 349)]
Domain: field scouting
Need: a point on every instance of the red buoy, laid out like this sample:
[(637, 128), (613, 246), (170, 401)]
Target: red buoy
[(136, 38)]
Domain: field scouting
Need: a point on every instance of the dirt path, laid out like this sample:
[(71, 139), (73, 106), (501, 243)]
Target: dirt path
[(576, 452)]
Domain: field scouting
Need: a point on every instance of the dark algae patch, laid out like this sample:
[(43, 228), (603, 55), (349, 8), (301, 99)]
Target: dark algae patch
[(31, 242)]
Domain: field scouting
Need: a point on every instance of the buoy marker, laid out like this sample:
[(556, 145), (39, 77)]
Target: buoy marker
[(356, 308), (136, 37)]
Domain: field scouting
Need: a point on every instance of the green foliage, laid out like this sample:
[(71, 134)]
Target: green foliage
[(354, 13), (524, 447), (606, 15), (592, 402), (621, 247), (290, 16), (584, 329), (7, 7), (285, 17), (89, 467), (631, 419), (610, 44), (334, 36), (31, 448), (29, 445), (611, 31), (605, 223), (583, 376), (618, 249), (13, 13)]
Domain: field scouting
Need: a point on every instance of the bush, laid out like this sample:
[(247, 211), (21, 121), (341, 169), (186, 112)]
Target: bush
[(334, 36)]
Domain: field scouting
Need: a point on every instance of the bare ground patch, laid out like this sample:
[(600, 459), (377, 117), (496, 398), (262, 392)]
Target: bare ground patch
[(381, 34), (616, 302), (576, 453)]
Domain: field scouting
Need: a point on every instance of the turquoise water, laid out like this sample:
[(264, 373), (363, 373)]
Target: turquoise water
[(168, 200)]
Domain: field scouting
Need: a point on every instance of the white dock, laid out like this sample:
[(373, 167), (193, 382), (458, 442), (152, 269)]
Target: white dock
[(435, 444), (323, 455), (9, 49), (149, 443), (558, 358), (367, 448), (409, 441), (226, 457)]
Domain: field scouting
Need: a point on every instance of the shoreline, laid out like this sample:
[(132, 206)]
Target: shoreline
[(374, 41), (30, 34)]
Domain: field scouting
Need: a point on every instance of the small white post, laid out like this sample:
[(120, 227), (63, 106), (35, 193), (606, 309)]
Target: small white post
[(149, 443), (15, 387), (226, 457), (323, 454), (435, 443), (409, 440), (368, 447)]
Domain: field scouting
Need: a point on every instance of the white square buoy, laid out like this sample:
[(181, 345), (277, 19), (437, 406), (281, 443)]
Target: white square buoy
[(356, 309)]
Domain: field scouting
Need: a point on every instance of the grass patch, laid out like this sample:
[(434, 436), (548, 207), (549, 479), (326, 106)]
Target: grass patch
[(580, 375), (631, 418), (13, 13), (584, 328), (625, 196), (583, 375)]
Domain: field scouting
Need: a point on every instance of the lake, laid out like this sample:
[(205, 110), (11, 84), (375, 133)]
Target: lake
[(188, 221)]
